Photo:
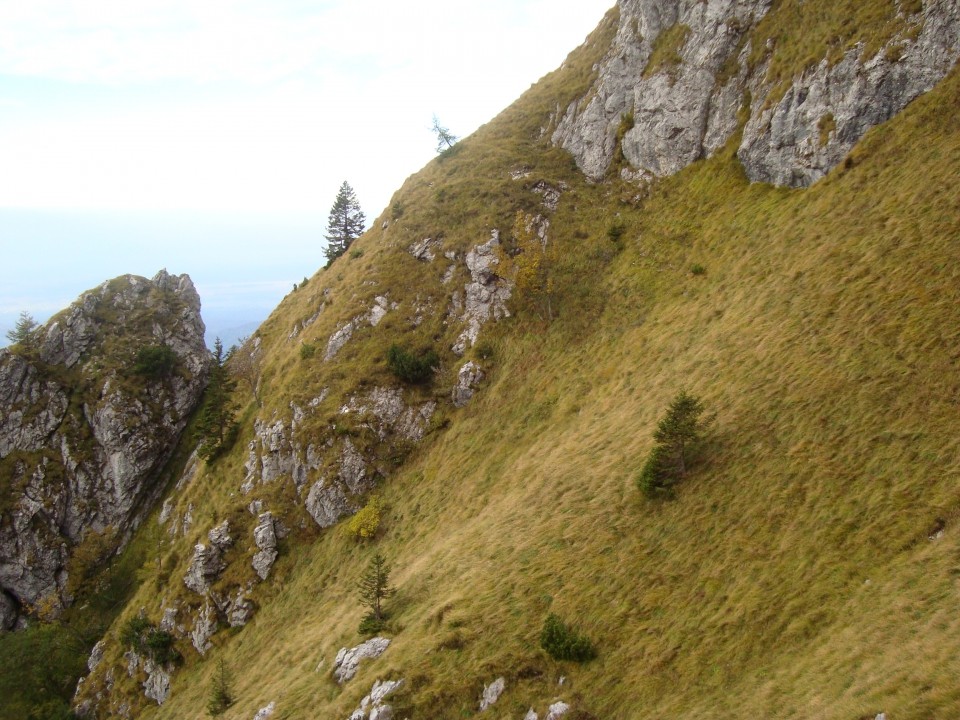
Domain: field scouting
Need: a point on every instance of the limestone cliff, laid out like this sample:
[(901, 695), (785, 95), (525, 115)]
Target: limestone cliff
[(678, 74), (85, 426)]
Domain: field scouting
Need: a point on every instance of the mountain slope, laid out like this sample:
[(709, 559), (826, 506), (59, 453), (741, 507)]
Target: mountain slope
[(812, 551)]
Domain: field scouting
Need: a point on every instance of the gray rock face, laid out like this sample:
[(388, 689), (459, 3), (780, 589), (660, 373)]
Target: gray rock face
[(8, 612), (673, 108), (791, 143), (681, 113), (205, 568), (82, 469), (486, 295), (347, 662), (96, 656), (424, 250), (492, 693)]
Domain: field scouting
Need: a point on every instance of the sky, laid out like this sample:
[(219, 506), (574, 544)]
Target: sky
[(210, 137)]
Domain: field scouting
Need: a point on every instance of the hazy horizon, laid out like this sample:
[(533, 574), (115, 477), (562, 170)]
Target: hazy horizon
[(211, 138)]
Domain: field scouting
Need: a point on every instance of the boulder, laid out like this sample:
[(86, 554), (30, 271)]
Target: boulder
[(347, 662), (492, 693)]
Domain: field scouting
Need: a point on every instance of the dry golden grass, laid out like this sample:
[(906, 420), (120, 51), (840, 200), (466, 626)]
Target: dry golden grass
[(792, 577)]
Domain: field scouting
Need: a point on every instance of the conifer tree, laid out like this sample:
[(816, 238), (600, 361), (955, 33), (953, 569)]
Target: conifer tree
[(374, 586), (345, 224), (23, 330), (445, 139), (678, 433), (216, 422)]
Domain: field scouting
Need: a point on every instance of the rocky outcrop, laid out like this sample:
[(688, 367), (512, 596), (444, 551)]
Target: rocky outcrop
[(203, 629), (347, 662), (797, 140), (485, 296), (387, 413), (468, 378), (265, 538), (90, 467), (661, 116), (332, 471)]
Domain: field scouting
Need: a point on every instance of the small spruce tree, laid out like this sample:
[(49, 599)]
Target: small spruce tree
[(374, 586), (678, 435), (22, 333), (345, 224), (216, 424), (221, 695)]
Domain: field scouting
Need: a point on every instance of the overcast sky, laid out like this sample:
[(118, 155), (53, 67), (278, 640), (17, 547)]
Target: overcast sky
[(210, 136)]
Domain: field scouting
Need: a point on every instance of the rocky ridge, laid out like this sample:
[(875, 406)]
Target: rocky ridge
[(83, 436), (662, 118)]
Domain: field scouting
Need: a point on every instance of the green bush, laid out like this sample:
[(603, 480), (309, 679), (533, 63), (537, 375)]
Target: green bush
[(564, 643), (372, 625), (144, 638), (307, 351), (411, 368), (155, 361), (615, 232)]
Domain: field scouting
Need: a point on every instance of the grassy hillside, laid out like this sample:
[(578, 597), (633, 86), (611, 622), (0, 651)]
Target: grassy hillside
[(808, 568)]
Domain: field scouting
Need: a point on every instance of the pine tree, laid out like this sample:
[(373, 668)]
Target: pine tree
[(345, 224), (374, 586), (216, 423)]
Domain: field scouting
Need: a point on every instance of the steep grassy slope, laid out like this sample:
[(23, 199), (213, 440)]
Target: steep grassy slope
[(809, 568)]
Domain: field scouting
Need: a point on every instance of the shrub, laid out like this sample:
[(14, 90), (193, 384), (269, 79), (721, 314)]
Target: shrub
[(145, 638), (616, 231), (564, 643), (155, 361), (484, 350), (307, 350), (411, 368), (366, 522), (698, 269), (371, 624)]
